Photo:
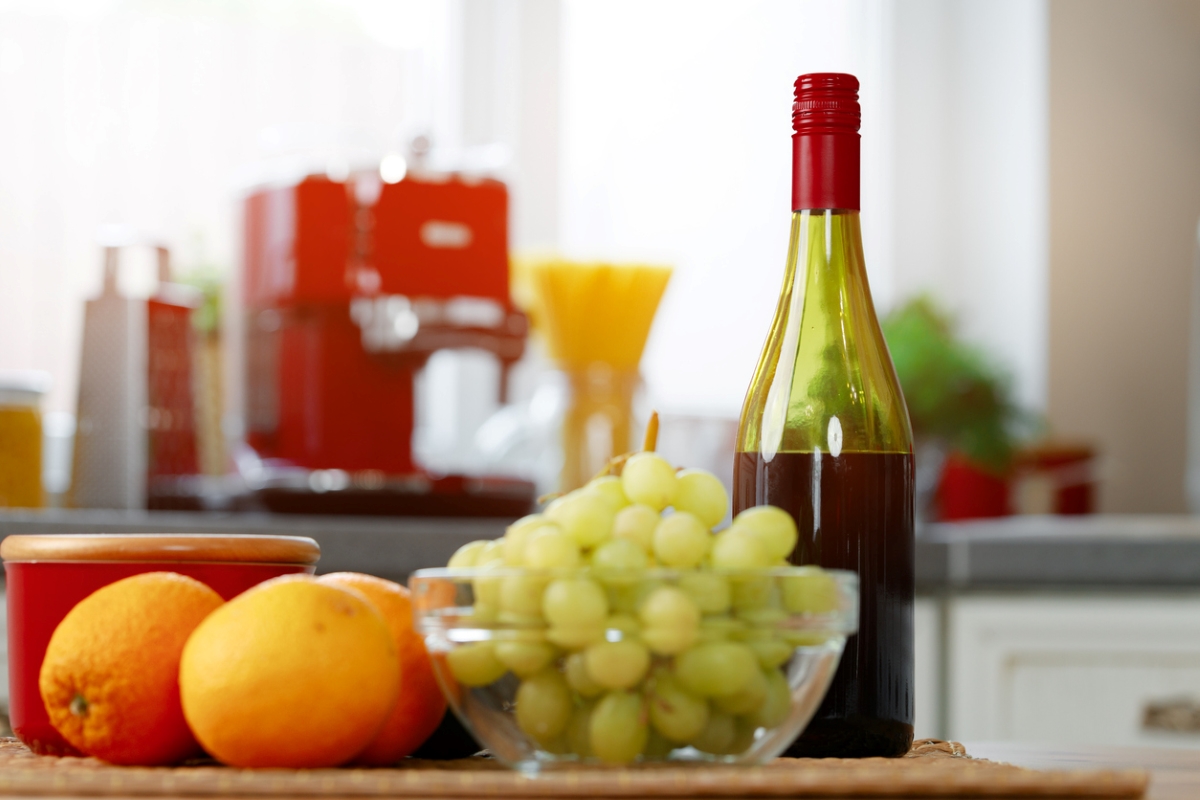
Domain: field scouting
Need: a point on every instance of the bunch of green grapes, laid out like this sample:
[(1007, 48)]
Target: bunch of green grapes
[(617, 663)]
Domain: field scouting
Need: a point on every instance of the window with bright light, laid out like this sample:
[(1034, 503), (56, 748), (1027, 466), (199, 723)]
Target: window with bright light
[(677, 149), (155, 115)]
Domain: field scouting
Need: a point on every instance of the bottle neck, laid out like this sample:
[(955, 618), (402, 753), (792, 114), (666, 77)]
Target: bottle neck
[(825, 261), (825, 171)]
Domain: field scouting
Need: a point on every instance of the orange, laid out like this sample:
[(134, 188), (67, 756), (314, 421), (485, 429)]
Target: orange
[(292, 673), (110, 676), (420, 706)]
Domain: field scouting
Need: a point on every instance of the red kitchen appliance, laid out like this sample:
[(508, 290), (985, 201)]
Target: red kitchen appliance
[(348, 288)]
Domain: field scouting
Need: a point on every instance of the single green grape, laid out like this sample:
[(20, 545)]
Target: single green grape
[(676, 714), (750, 594), (617, 665), (578, 677), (703, 494), (617, 556), (681, 540), (665, 641), (487, 590), (544, 705), (718, 734), (771, 651), (649, 479), (609, 487), (636, 522), (737, 549), (521, 595), (743, 737), (813, 592), (716, 669), (773, 527), (555, 503), (492, 552), (518, 535), (618, 727), (669, 606), (586, 517), (746, 700), (525, 658), (475, 664), (575, 602), (710, 593), (550, 548), (670, 620), (579, 729), (466, 555), (776, 706)]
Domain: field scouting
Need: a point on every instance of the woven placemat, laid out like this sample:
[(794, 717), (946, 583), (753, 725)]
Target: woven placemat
[(932, 768)]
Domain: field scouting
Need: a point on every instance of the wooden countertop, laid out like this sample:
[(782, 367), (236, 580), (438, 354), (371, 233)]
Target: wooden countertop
[(1175, 773)]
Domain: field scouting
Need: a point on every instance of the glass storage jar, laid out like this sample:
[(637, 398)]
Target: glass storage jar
[(21, 394)]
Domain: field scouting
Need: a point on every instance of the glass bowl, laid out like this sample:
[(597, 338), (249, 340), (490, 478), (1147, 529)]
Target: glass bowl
[(549, 668)]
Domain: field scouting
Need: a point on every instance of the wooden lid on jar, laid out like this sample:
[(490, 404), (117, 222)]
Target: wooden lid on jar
[(162, 547)]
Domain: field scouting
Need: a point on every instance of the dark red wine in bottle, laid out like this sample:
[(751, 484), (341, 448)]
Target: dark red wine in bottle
[(825, 434)]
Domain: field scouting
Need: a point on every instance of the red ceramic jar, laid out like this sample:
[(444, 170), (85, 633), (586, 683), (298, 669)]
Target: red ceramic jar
[(48, 575)]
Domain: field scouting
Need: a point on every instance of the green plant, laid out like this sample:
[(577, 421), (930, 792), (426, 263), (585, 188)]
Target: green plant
[(954, 392), (210, 281)]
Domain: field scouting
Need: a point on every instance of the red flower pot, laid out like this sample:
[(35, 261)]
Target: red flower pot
[(967, 491)]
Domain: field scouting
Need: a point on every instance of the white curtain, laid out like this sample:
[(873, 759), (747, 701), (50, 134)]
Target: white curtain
[(154, 114), (676, 147)]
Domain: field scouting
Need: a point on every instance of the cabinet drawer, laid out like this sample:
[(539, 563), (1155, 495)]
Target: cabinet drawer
[(1096, 698), (1071, 670)]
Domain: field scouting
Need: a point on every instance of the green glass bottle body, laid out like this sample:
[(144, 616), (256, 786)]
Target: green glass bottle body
[(825, 435)]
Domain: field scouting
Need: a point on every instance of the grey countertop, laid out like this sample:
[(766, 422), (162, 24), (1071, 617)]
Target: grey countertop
[(1102, 551)]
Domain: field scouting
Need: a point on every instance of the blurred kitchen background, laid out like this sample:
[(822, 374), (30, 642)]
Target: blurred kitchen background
[(385, 271)]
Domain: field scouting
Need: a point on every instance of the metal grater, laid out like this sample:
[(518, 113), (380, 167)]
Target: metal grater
[(137, 419)]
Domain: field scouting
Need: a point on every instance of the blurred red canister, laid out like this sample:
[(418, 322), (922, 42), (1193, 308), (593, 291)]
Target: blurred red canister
[(48, 574)]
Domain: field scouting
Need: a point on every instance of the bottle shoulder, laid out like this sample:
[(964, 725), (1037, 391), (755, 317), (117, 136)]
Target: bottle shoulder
[(825, 379)]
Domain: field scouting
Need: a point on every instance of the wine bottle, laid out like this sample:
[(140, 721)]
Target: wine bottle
[(825, 435)]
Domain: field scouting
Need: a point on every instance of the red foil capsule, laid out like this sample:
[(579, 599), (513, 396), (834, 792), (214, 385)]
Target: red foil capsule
[(825, 145)]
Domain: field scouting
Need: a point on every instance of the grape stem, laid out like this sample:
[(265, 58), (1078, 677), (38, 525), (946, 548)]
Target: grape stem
[(650, 442), (616, 464)]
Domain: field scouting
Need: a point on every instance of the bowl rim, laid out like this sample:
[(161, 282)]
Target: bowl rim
[(845, 578)]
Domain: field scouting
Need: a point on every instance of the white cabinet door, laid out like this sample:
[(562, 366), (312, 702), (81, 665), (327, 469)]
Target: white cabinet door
[(1070, 670)]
